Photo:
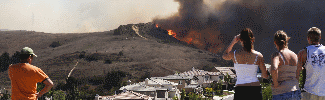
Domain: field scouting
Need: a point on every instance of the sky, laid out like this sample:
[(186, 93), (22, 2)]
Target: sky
[(80, 16)]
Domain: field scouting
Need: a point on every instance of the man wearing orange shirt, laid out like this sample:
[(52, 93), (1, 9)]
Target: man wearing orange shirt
[(24, 78)]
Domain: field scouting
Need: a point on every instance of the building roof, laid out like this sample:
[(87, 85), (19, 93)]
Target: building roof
[(225, 70), (174, 77), (192, 86), (162, 82), (138, 87), (128, 95), (197, 72)]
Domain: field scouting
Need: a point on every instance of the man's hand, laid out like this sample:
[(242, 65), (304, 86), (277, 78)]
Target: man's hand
[(48, 85), (38, 95)]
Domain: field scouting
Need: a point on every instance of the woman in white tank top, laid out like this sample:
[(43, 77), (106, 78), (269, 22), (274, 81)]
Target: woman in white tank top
[(283, 70), (246, 62)]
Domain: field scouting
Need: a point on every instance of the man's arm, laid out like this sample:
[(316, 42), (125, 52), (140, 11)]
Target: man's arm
[(48, 85), (302, 56)]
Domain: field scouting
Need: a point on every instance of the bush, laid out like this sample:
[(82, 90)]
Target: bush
[(217, 87), (5, 96), (108, 61), (209, 91), (301, 81), (114, 79), (120, 53), (82, 54), (266, 91), (183, 94), (92, 58), (193, 96), (4, 62), (15, 58), (55, 44), (175, 98), (59, 95)]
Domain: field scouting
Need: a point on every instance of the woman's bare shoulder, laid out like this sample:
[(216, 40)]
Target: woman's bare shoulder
[(258, 53), (292, 52)]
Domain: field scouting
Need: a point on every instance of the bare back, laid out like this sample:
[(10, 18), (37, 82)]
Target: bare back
[(289, 57), (244, 57)]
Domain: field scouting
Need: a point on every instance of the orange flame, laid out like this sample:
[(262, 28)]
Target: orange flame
[(157, 25), (172, 33), (189, 41)]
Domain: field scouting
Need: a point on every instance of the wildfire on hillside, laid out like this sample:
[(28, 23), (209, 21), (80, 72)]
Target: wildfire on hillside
[(172, 33), (187, 39)]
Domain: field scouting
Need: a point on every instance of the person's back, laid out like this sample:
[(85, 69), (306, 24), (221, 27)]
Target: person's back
[(283, 68), (24, 79), (286, 73), (246, 62), (313, 59), (245, 66), (315, 70)]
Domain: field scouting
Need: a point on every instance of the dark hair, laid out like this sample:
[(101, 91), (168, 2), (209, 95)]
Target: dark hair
[(281, 39), (246, 35), (314, 34), (24, 56)]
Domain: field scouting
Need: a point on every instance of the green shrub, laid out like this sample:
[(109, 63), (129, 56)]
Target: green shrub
[(193, 96), (217, 87), (175, 98), (58, 95), (300, 79), (209, 91), (183, 94), (266, 91)]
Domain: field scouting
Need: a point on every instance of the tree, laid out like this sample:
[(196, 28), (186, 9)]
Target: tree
[(217, 87), (114, 79), (72, 88), (59, 95), (146, 75), (183, 94), (193, 96), (209, 91), (4, 62), (15, 58)]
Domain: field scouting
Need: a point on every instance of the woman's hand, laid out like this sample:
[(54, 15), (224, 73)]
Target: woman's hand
[(236, 39), (226, 54)]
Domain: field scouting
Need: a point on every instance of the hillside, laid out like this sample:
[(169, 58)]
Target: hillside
[(140, 51)]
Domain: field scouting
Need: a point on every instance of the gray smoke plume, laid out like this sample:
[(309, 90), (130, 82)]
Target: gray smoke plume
[(212, 24)]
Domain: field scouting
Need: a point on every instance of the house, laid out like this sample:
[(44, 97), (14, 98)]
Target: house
[(140, 88), (204, 78), (181, 80), (224, 70), (154, 87), (165, 89), (125, 95)]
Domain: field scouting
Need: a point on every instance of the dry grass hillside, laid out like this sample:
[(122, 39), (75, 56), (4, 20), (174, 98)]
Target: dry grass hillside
[(154, 52)]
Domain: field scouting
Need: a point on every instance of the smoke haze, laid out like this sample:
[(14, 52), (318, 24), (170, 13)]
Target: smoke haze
[(212, 24), (72, 16)]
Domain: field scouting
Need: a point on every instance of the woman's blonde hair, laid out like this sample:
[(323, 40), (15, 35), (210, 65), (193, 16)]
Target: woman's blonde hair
[(281, 39)]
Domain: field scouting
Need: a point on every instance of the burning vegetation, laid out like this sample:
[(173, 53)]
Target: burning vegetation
[(211, 24)]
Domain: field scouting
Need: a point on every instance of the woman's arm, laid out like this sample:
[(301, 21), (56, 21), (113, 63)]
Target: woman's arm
[(302, 55), (262, 66), (226, 54), (274, 69)]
